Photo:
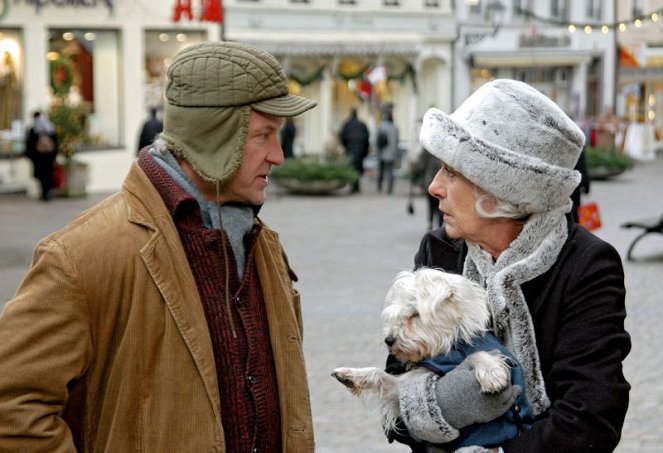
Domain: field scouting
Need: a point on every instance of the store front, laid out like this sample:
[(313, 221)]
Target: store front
[(102, 63), (640, 108), (106, 61), (567, 77), (343, 79)]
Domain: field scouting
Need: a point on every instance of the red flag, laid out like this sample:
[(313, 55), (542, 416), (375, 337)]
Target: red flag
[(212, 11), (182, 7)]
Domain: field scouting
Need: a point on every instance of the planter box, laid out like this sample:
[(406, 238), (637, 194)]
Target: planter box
[(71, 179), (318, 187)]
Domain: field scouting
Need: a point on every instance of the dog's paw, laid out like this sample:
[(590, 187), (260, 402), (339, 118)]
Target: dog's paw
[(359, 380), (492, 371), (345, 376)]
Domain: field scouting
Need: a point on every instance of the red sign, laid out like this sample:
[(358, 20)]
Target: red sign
[(211, 11)]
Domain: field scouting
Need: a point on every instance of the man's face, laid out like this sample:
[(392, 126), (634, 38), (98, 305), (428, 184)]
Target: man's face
[(263, 150)]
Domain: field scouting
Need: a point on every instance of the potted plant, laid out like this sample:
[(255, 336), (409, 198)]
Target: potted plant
[(603, 163), (71, 130), (314, 175)]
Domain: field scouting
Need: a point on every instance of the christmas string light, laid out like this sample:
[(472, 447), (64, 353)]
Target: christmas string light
[(589, 27)]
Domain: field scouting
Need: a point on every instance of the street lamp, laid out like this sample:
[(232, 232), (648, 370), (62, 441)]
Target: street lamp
[(493, 13)]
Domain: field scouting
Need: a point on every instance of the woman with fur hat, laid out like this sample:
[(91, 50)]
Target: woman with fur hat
[(556, 292)]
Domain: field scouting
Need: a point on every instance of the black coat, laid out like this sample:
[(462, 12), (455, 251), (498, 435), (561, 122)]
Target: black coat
[(354, 137), (578, 311), (42, 162), (151, 128)]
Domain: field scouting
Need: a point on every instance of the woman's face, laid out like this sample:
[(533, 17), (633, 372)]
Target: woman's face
[(458, 198)]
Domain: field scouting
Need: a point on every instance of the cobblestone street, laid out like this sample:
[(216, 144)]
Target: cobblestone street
[(346, 250)]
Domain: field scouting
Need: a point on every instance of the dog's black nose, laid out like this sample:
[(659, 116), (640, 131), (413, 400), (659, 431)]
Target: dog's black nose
[(390, 340)]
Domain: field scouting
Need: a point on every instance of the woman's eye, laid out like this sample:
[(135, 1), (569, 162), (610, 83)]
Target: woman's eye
[(448, 171)]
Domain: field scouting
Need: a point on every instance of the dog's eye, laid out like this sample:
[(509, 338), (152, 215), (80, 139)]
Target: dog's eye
[(414, 315)]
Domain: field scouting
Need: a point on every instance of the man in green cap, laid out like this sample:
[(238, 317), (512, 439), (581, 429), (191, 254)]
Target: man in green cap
[(165, 318)]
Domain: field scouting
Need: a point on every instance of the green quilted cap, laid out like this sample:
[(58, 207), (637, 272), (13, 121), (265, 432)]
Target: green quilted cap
[(211, 88), (231, 74)]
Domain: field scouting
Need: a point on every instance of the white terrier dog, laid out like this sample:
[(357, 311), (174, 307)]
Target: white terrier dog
[(426, 313)]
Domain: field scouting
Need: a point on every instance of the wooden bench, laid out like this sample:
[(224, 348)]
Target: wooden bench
[(652, 225)]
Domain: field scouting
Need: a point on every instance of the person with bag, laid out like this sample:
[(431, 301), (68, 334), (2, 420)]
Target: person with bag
[(555, 291), (41, 147), (387, 143)]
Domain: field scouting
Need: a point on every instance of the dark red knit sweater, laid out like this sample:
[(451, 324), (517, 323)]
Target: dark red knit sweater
[(244, 365)]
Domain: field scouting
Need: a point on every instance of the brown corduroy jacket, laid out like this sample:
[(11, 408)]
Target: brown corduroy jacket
[(105, 346)]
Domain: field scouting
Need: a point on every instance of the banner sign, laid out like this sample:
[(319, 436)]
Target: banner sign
[(39, 4), (211, 11)]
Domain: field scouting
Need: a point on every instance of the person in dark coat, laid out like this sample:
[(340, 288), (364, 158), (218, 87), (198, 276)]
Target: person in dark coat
[(287, 138), (41, 147), (427, 167), (354, 137), (151, 128), (583, 187), (555, 291)]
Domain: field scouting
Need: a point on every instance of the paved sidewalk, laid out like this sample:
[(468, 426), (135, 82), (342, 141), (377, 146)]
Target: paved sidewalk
[(347, 249)]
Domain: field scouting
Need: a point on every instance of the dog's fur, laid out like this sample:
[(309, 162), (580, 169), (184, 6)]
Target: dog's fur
[(426, 313)]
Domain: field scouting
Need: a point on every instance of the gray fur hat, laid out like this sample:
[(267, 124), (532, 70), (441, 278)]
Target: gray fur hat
[(512, 141)]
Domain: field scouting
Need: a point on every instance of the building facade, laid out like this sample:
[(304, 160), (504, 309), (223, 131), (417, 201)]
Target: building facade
[(106, 62), (532, 41), (639, 91)]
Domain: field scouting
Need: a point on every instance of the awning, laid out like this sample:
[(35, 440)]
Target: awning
[(331, 49), (528, 58)]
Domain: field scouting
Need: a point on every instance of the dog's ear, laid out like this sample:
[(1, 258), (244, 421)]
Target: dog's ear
[(432, 285)]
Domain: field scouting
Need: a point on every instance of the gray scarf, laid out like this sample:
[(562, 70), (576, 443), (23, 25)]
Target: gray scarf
[(237, 220), (531, 254)]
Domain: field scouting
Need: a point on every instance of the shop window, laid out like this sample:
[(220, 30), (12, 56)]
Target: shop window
[(594, 9), (160, 47), (559, 9), (522, 5), (475, 7), (535, 75), (638, 8), (85, 84), (11, 76)]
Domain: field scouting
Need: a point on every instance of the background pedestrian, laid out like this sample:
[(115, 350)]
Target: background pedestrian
[(41, 147), (354, 137), (152, 127)]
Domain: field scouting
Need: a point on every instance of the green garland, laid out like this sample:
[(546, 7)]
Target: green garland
[(359, 74), (305, 81), (61, 88), (5, 9), (408, 71)]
